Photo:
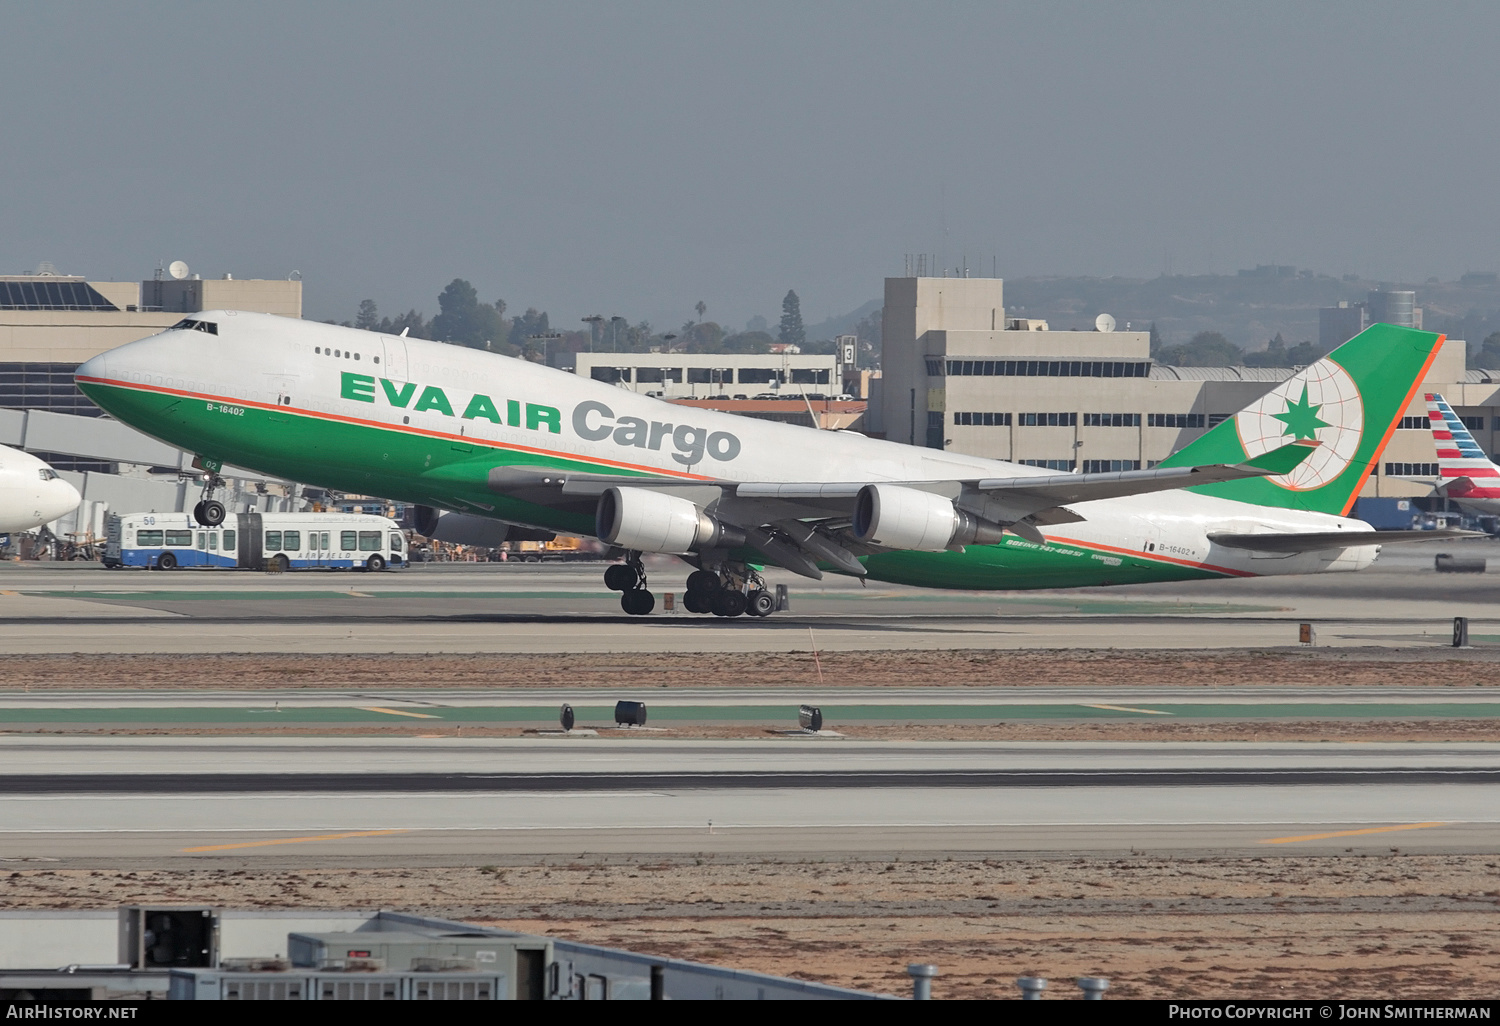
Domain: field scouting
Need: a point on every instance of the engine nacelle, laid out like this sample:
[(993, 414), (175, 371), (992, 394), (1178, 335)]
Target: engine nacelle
[(898, 517), (464, 529), (635, 518)]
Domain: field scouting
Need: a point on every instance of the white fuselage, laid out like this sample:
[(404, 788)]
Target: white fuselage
[(272, 362), (31, 493)]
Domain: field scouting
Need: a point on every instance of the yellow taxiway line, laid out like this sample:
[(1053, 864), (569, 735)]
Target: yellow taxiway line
[(1350, 833), (295, 840), (398, 712)]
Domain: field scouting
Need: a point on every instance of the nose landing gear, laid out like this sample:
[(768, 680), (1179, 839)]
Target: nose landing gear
[(209, 511), (629, 579)]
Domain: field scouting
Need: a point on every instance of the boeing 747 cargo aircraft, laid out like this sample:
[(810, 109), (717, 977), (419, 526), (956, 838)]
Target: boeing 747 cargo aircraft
[(500, 441)]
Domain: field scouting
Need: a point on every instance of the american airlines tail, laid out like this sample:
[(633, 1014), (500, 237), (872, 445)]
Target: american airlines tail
[(1468, 476)]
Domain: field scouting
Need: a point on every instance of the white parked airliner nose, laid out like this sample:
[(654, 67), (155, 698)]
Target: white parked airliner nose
[(58, 498), (31, 493)]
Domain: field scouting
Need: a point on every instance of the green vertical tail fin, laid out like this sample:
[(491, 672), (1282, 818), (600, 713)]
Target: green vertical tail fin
[(1349, 402)]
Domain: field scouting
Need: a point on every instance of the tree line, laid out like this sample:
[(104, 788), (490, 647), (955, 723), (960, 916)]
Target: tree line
[(1212, 349), (466, 320)]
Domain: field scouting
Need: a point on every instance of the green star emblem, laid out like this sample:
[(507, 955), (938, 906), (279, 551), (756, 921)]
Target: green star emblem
[(1301, 419)]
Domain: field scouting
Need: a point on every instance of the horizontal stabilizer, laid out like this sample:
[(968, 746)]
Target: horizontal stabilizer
[(1285, 459), (1455, 486), (1312, 541)]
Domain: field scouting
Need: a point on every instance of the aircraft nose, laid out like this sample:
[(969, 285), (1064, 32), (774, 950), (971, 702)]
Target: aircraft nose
[(60, 499), (94, 367)]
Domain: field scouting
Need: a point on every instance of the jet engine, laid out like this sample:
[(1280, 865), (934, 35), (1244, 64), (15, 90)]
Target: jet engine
[(635, 518), (465, 529), (897, 517)]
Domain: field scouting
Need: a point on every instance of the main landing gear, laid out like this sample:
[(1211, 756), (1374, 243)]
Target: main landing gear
[(736, 590), (629, 579), (733, 590), (209, 511)]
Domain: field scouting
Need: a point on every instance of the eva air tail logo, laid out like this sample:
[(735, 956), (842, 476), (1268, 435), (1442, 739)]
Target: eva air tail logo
[(1320, 404)]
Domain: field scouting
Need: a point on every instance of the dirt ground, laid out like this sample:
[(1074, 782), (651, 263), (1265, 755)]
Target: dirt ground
[(1372, 926), (1187, 669)]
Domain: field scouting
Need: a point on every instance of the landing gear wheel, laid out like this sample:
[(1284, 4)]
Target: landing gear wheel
[(760, 603), (697, 602), (166, 561), (637, 602), (210, 512), (728, 603), (375, 563), (620, 577), (704, 581)]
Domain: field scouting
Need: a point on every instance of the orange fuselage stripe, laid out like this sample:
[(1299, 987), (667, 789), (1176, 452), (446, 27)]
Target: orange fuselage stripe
[(402, 428)]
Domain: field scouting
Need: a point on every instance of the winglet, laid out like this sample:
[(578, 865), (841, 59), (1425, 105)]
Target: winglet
[(1283, 460)]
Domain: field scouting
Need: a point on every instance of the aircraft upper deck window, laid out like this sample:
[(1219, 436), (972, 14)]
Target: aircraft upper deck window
[(188, 324)]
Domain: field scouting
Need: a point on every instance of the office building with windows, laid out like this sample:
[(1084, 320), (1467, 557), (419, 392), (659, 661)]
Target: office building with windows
[(961, 376), (50, 323), (793, 388)]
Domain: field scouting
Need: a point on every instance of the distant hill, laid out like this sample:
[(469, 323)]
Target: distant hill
[(843, 324), (1249, 309)]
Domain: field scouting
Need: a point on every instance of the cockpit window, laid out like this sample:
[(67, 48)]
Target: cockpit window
[(47, 474), (188, 324)]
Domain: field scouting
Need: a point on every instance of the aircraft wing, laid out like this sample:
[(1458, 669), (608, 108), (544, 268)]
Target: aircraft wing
[(1312, 541), (799, 524), (1087, 487), (1019, 496), (1038, 498)]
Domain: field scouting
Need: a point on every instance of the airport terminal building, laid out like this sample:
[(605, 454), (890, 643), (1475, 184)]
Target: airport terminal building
[(959, 375), (50, 323)]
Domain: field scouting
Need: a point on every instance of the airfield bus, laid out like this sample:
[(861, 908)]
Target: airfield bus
[(255, 541)]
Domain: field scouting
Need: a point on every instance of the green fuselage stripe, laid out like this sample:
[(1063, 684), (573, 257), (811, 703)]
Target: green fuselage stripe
[(452, 472)]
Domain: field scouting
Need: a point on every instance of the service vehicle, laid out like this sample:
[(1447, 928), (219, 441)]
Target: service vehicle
[(255, 541)]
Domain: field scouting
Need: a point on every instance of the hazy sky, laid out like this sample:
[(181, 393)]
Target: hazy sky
[(635, 158)]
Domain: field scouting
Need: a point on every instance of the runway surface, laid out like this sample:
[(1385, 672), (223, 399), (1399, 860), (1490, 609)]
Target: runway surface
[(89, 802), (269, 711), (262, 799), (457, 608)]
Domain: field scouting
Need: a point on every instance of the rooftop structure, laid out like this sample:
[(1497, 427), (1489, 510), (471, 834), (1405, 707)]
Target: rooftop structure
[(709, 375), (140, 953)]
